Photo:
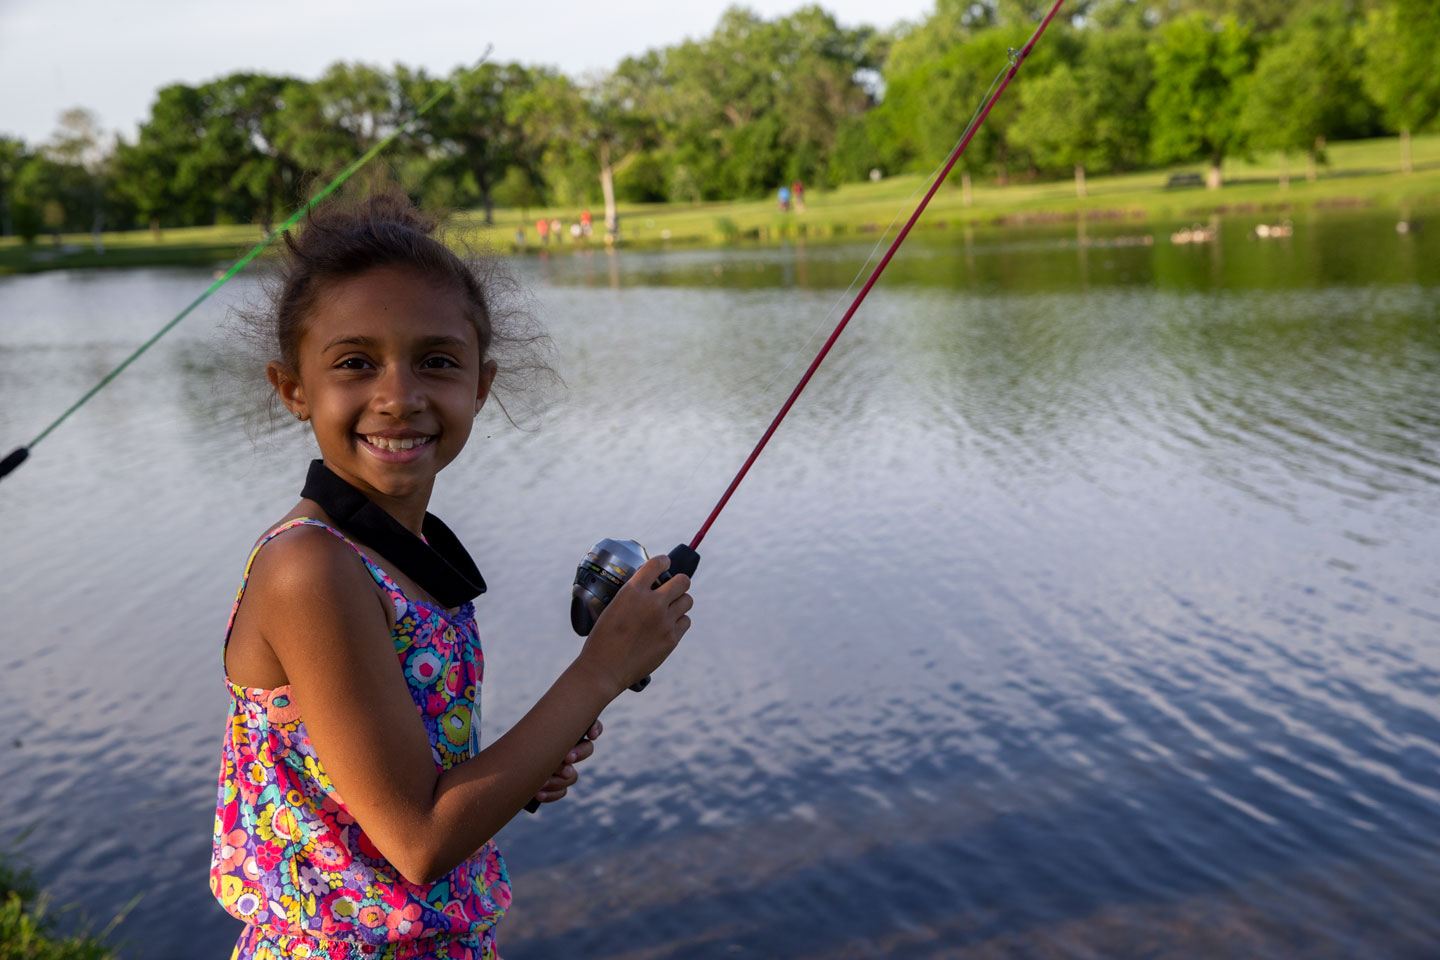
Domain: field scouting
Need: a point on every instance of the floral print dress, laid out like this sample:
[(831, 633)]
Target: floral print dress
[(288, 857)]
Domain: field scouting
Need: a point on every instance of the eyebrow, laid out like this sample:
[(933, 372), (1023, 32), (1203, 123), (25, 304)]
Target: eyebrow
[(429, 343)]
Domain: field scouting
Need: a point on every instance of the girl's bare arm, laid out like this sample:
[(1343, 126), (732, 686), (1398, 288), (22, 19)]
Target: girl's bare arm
[(319, 611)]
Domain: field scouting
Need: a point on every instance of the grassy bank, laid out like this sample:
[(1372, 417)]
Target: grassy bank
[(1358, 173), (27, 931)]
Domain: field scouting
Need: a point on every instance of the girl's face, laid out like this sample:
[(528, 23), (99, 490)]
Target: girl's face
[(391, 379)]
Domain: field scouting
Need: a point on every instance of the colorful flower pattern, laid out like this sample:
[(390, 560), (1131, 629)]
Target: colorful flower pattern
[(288, 857)]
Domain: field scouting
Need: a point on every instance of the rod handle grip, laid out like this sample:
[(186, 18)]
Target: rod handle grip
[(13, 459), (534, 804), (682, 560)]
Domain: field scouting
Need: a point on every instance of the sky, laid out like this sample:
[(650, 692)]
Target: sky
[(111, 56)]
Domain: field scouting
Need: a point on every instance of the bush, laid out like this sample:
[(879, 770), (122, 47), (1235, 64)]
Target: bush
[(640, 178), (517, 190)]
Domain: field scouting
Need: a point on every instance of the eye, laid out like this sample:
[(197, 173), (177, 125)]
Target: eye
[(439, 362), (353, 363)]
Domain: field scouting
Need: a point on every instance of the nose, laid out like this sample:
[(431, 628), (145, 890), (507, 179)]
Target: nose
[(398, 392)]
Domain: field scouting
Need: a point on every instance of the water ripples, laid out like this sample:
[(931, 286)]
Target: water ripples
[(1057, 621)]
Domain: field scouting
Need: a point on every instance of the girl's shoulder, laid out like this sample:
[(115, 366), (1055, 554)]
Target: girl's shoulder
[(302, 593), (304, 557)]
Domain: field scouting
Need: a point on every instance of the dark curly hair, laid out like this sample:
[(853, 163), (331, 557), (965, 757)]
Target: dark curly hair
[(376, 227)]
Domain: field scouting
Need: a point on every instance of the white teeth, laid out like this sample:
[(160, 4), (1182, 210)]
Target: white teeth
[(397, 443)]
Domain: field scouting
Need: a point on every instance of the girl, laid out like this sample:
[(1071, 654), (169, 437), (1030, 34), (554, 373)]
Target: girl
[(356, 809)]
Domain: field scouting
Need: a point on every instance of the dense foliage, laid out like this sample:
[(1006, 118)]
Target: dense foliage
[(758, 104)]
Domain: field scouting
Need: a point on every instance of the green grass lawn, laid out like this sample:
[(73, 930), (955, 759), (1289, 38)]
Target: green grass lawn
[(1365, 171), (1359, 172)]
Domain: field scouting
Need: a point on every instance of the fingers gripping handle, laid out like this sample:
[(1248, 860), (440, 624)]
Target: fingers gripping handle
[(682, 560)]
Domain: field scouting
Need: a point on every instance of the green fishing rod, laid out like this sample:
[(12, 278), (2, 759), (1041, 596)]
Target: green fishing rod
[(20, 454)]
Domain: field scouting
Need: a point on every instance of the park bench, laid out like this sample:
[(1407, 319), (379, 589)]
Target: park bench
[(1184, 180)]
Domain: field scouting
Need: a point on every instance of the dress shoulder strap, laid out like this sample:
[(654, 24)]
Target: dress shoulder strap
[(380, 576)]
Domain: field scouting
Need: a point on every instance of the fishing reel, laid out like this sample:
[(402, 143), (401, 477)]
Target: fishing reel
[(601, 575), (604, 571)]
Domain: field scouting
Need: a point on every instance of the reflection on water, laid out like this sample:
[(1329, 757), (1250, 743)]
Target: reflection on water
[(1345, 248), (1084, 606)]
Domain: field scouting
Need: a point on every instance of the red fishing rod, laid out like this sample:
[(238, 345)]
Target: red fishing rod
[(611, 562)]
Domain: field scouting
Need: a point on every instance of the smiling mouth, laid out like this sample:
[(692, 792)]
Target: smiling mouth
[(396, 449), (396, 444)]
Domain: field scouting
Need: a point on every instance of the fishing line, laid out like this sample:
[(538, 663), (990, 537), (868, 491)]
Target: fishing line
[(885, 234), (18, 456), (612, 562), (1017, 58), (819, 324)]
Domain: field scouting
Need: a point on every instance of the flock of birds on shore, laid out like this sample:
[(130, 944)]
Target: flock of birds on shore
[(1198, 233)]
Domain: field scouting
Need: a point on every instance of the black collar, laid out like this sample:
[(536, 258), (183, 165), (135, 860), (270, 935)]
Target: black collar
[(441, 566)]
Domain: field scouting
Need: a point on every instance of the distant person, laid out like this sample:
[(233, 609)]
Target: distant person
[(783, 195), (585, 222), (519, 236), (542, 227), (797, 194), (557, 228), (357, 807), (575, 231)]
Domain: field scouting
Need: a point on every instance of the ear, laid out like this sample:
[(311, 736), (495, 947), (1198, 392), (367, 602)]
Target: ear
[(487, 378), (288, 388)]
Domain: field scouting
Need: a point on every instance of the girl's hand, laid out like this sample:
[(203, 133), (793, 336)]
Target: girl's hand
[(640, 627), (564, 778)]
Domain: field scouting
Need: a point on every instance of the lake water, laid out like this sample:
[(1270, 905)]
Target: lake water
[(1086, 605)]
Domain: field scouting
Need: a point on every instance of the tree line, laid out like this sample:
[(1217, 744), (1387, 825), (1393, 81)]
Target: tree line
[(1121, 85)]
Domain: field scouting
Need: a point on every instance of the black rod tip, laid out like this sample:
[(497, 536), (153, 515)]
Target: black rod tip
[(13, 459)]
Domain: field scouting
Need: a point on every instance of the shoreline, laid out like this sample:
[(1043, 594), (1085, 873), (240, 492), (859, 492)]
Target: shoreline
[(1356, 177)]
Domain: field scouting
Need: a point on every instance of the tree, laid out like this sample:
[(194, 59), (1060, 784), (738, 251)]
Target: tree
[(817, 90), (592, 127), (757, 103), (243, 122), (1116, 65), (12, 157), (1260, 15), (327, 123), (1399, 41), (950, 23), (266, 177), (79, 143), (52, 196), (1091, 116), (1305, 88), (552, 113), (209, 153), (1195, 104), (614, 124), (1057, 124), (477, 132), (925, 110), (159, 172), (1118, 14)]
